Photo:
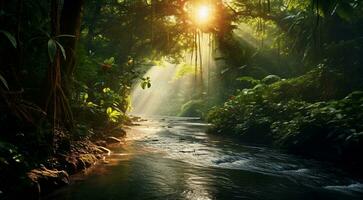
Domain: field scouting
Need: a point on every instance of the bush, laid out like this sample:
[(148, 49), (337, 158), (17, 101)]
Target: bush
[(286, 115), (193, 108)]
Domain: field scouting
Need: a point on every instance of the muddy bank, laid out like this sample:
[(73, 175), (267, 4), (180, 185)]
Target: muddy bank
[(48, 175)]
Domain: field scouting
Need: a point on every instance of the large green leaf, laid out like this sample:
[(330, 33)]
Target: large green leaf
[(10, 37), (109, 61), (52, 49), (145, 83), (62, 50), (5, 83), (109, 110), (345, 11), (65, 35)]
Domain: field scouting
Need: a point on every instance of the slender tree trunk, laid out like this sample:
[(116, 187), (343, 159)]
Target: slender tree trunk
[(200, 61), (53, 76), (195, 62), (209, 62)]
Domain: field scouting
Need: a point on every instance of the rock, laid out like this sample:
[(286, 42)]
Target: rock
[(111, 140), (86, 160), (101, 143), (271, 79), (105, 162), (46, 180), (71, 164), (77, 162), (118, 131), (104, 150), (135, 118)]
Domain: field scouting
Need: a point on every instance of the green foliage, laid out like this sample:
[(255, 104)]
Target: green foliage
[(297, 113), (270, 79), (101, 107), (119, 39), (193, 108), (109, 61), (145, 83), (9, 155), (251, 103), (4, 82), (113, 115), (248, 79), (10, 37), (184, 70), (52, 49), (53, 46)]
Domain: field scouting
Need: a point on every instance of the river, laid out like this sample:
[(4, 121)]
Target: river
[(174, 158)]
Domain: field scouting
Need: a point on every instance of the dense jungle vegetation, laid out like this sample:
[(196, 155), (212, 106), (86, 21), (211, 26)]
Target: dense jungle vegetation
[(283, 73)]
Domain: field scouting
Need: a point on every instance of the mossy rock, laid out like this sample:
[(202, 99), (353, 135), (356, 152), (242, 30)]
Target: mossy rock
[(270, 79), (47, 180)]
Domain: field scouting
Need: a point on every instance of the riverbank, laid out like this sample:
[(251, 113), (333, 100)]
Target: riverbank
[(43, 176)]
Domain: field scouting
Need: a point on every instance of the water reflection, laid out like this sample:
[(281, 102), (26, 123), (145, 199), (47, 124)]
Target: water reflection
[(197, 188)]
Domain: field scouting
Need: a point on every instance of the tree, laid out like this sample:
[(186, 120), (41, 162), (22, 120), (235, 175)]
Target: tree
[(65, 21)]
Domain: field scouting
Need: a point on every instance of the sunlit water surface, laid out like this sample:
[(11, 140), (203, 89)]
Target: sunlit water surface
[(173, 158)]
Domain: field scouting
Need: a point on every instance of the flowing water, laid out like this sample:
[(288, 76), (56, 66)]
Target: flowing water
[(173, 158)]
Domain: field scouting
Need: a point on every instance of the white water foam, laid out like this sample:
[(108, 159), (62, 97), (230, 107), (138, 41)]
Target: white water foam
[(354, 188)]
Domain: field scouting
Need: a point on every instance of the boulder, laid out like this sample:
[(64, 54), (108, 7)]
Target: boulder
[(101, 143), (104, 150), (46, 180), (86, 160), (118, 132), (112, 140)]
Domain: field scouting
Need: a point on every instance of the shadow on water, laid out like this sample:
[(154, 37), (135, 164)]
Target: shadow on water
[(173, 158)]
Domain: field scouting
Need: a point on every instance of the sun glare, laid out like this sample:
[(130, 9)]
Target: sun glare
[(203, 14)]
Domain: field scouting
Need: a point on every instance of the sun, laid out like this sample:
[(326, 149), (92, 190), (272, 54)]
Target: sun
[(203, 14)]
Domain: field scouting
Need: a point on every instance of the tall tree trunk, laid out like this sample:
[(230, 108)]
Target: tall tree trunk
[(70, 24), (60, 71), (53, 77)]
